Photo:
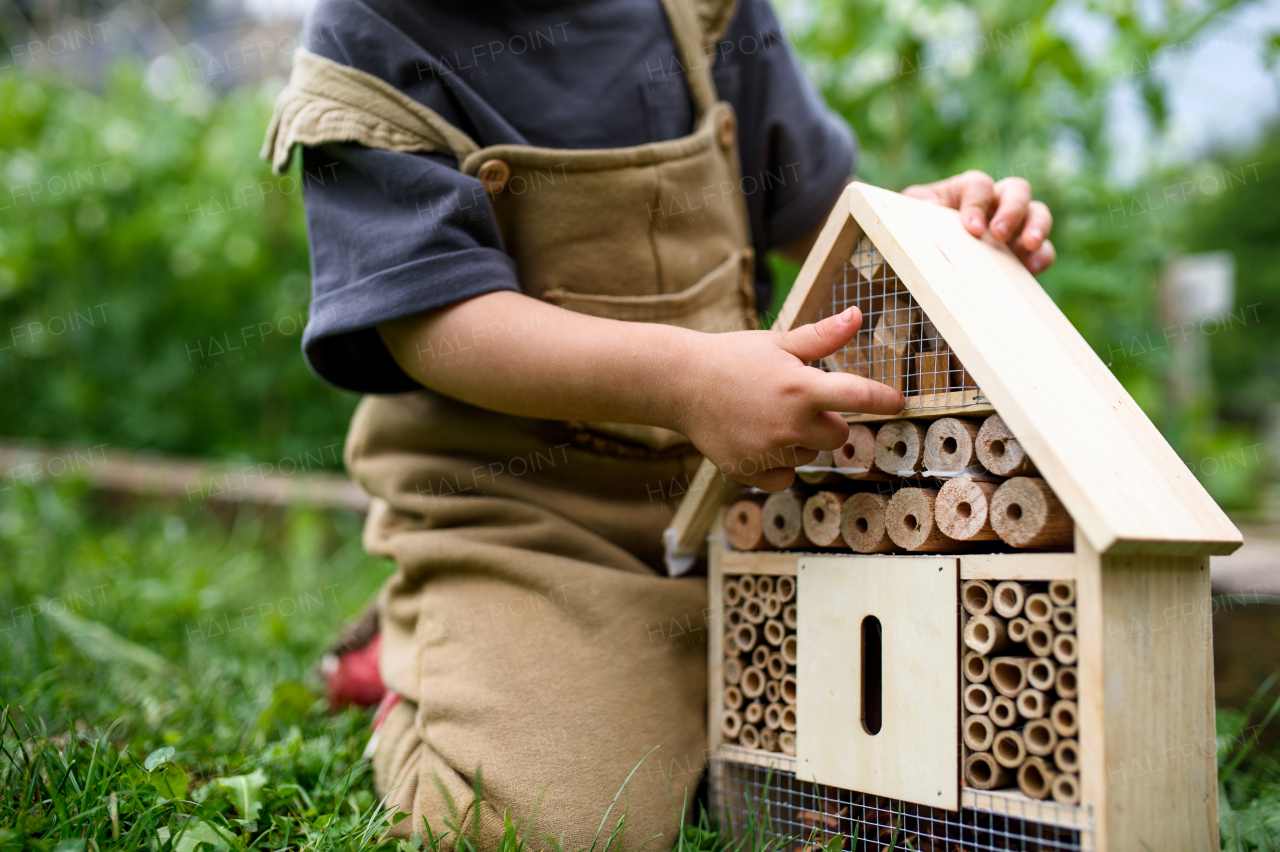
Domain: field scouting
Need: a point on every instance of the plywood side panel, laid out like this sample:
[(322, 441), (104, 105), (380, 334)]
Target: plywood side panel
[(916, 753), (1122, 483)]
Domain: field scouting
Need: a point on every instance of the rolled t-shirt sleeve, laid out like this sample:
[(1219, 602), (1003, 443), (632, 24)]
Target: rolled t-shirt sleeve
[(391, 235)]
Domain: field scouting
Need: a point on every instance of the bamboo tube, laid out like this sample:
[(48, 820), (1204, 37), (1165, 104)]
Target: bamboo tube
[(748, 585), (744, 526), (949, 445), (753, 610), (1000, 452), (774, 632), (1065, 684), (859, 450), (862, 523), (819, 477), (753, 681), (787, 742), (1040, 673), (772, 692), (1067, 755), (1065, 718), (773, 717), (1009, 599), (979, 733), (789, 717), (975, 595), (1039, 608), (777, 666), (731, 648), (1008, 749), (788, 689), (1040, 737), (790, 616), (1003, 712), (790, 649), (733, 617), (733, 671), (1018, 628), (1031, 703), (1064, 649), (749, 736), (1064, 619), (764, 587), (760, 657), (977, 668), (963, 509), (784, 521), (1035, 778), (1026, 513), (1066, 789), (732, 592), (983, 773), (754, 712), (822, 518), (1062, 592), (768, 740), (985, 633), (1008, 675), (732, 697), (908, 518), (784, 589), (977, 698), (772, 607), (1040, 639), (731, 724), (900, 447), (746, 636)]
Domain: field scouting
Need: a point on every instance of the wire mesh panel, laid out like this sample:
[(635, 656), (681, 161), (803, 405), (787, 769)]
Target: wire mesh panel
[(897, 345), (762, 800)]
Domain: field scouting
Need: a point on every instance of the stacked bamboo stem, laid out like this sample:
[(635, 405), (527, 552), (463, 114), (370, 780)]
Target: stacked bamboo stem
[(910, 486), (1020, 721), (759, 669)]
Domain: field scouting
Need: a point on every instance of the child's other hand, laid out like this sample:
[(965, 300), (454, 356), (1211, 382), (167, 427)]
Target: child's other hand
[(753, 406), (1014, 218)]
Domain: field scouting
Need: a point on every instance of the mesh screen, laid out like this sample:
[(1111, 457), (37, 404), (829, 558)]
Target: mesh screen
[(897, 345), (778, 811)]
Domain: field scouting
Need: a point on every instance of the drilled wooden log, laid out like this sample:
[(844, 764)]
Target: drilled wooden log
[(1035, 778), (784, 520), (1000, 452), (862, 523), (744, 526), (1009, 599), (1008, 749), (983, 773), (859, 450), (825, 459), (822, 518), (976, 596), (951, 444), (963, 509), (979, 733), (900, 447), (985, 633), (908, 518), (1025, 513)]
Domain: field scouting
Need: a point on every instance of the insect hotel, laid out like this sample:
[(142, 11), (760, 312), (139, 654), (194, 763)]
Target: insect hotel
[(983, 623)]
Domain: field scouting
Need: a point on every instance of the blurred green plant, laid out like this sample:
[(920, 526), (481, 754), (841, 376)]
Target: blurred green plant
[(153, 273)]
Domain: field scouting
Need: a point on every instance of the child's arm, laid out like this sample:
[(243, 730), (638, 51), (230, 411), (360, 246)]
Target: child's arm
[(744, 398)]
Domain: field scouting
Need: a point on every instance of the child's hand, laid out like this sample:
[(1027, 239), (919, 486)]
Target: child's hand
[(751, 404)]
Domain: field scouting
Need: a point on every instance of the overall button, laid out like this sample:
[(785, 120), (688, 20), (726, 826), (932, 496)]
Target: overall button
[(494, 174), (726, 129)]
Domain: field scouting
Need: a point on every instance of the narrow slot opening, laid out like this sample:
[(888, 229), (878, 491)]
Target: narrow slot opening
[(872, 697)]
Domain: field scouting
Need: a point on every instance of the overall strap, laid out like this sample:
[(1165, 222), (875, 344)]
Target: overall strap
[(327, 101), (686, 28)]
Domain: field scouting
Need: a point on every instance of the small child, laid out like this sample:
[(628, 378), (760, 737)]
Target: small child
[(537, 241)]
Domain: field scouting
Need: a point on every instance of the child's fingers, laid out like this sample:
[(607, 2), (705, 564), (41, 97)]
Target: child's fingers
[(777, 479), (817, 340), (826, 431), (842, 392)]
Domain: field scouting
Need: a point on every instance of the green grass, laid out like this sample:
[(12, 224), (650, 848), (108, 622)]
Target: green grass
[(156, 689)]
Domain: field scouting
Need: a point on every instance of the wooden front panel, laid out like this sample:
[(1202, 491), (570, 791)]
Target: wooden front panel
[(914, 756)]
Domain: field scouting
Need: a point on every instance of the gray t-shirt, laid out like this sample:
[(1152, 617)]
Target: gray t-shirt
[(395, 234)]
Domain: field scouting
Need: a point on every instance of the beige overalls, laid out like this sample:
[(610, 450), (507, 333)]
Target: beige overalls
[(530, 626)]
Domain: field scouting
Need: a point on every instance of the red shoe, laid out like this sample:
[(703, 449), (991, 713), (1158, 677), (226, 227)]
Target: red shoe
[(350, 669)]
